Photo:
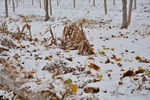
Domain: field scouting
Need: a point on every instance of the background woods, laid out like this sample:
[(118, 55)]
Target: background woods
[(48, 6)]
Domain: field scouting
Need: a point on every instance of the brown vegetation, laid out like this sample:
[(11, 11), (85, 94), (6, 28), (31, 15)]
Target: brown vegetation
[(74, 39)]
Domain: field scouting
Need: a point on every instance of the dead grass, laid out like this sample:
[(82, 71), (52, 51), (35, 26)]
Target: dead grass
[(20, 34), (4, 28)]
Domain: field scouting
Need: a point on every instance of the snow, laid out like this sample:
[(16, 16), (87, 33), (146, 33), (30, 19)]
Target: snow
[(113, 41)]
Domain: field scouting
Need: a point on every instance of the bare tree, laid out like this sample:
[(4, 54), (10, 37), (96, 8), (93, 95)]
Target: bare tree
[(89, 1), (9, 2), (46, 10), (124, 21), (57, 3), (44, 2), (113, 2), (6, 8), (94, 3), (50, 3), (134, 4), (13, 4), (17, 3), (130, 11), (74, 3), (40, 3), (32, 2), (105, 6)]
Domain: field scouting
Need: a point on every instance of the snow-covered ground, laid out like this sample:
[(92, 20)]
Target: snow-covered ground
[(117, 51)]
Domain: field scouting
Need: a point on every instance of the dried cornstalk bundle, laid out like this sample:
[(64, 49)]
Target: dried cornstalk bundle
[(20, 34), (3, 28), (7, 43), (75, 39)]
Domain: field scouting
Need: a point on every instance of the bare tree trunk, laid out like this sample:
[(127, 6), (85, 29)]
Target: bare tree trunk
[(46, 10), (32, 2), (89, 1), (57, 3), (50, 3), (40, 3), (124, 21), (9, 2), (17, 3), (13, 4), (105, 6), (44, 5), (113, 2), (134, 4), (94, 3), (74, 3), (6, 8), (130, 11)]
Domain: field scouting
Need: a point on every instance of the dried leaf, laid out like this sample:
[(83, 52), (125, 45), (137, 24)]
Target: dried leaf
[(140, 71), (86, 54), (23, 47), (115, 58), (118, 59), (70, 59), (91, 90), (107, 61), (120, 83), (138, 58), (113, 49), (11, 61), (55, 98), (35, 39), (101, 53), (68, 81), (31, 72), (91, 58), (122, 70), (21, 68), (99, 76), (18, 41), (73, 88), (128, 73), (46, 47), (18, 98), (94, 66)]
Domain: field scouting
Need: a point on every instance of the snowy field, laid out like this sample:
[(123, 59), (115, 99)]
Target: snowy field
[(121, 57)]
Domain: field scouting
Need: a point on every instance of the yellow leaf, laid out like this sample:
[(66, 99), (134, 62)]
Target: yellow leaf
[(68, 81), (73, 88), (101, 52), (139, 67), (70, 59), (99, 76), (18, 98), (118, 59), (21, 68), (112, 49), (11, 61), (18, 41), (47, 63)]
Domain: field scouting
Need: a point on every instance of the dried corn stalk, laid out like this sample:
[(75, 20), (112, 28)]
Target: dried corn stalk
[(20, 34), (4, 28), (75, 39)]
